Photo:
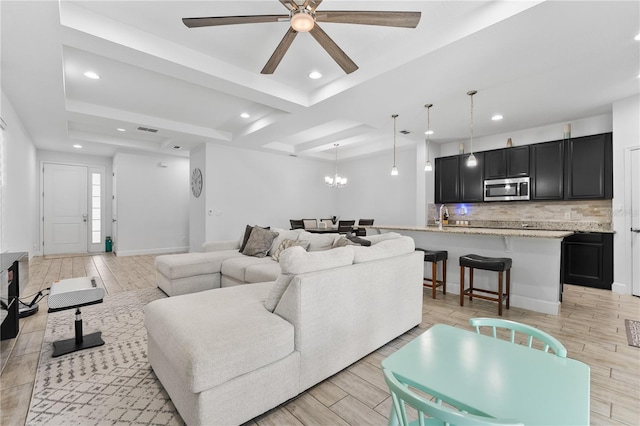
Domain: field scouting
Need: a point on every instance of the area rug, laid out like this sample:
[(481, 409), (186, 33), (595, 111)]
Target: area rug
[(633, 332), (110, 384)]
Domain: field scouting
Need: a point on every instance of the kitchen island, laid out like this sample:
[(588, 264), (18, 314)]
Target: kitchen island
[(536, 272)]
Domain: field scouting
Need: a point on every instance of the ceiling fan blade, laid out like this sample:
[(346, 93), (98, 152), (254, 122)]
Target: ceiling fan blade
[(289, 4), (232, 20), (312, 4), (386, 19), (333, 50), (278, 54)]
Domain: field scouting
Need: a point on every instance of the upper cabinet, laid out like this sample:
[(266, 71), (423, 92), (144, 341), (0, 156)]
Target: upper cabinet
[(506, 163), (457, 183), (471, 181), (447, 180), (547, 171), (573, 169), (588, 170)]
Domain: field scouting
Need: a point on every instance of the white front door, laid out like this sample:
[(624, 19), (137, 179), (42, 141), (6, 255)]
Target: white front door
[(65, 209), (635, 220)]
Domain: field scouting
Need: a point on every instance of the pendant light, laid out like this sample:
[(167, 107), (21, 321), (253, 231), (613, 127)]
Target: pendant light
[(394, 169), (428, 167), (471, 161), (336, 181)]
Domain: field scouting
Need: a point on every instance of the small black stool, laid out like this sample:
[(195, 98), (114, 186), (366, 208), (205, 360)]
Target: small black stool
[(498, 264), (435, 256)]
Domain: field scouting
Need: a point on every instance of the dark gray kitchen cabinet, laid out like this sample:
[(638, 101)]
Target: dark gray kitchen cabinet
[(506, 163), (589, 168), (447, 180), (547, 170), (471, 179), (587, 259)]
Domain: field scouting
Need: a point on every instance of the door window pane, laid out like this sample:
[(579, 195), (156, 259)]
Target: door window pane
[(96, 216)]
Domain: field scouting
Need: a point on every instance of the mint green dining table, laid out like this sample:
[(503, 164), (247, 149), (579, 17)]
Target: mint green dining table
[(494, 377)]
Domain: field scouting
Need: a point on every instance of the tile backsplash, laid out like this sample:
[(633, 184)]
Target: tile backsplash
[(588, 215)]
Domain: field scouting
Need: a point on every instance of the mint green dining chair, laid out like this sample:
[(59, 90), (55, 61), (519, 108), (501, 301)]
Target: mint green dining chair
[(429, 412), (547, 340)]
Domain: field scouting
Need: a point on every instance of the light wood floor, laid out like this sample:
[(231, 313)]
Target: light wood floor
[(590, 325)]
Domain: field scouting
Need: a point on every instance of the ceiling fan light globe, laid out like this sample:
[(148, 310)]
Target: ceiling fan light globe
[(302, 22)]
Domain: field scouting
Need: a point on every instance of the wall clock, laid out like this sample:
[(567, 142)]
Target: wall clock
[(196, 182)]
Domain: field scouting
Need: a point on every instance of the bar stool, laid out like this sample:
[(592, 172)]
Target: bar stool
[(498, 264), (435, 256)]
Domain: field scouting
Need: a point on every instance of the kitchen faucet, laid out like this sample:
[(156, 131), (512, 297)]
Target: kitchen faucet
[(446, 211)]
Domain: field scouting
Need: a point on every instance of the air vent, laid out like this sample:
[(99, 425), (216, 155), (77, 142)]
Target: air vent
[(405, 132), (148, 129)]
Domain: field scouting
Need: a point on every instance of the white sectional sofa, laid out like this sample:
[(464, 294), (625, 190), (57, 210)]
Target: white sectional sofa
[(222, 265), (229, 354)]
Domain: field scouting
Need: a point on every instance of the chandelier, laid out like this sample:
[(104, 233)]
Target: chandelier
[(336, 181)]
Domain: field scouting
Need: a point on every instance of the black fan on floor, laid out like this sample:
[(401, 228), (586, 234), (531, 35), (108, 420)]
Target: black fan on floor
[(304, 18)]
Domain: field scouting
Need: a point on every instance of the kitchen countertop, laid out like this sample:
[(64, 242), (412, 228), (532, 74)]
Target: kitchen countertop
[(461, 229)]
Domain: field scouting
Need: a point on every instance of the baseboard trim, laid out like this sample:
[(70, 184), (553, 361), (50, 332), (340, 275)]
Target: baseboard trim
[(620, 288), (167, 250)]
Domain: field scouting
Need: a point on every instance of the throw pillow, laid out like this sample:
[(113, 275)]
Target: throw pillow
[(341, 242), (259, 242), (285, 244), (283, 234), (247, 234), (359, 241)]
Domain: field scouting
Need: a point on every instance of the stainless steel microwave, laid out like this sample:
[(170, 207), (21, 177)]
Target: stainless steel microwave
[(513, 189)]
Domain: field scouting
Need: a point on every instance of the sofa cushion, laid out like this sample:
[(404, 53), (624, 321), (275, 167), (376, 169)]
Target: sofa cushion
[(382, 237), (183, 265), (296, 260), (236, 267), (285, 244), (318, 242), (262, 272), (283, 234), (222, 334), (260, 241), (382, 249)]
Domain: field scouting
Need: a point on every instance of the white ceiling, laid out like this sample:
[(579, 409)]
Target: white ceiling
[(534, 62)]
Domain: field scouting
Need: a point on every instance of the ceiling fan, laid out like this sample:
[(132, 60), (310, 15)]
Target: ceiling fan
[(304, 18)]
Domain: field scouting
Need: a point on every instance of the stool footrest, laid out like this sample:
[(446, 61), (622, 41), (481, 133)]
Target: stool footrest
[(472, 292)]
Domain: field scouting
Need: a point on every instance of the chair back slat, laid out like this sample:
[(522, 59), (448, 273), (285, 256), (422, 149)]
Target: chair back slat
[(532, 333), (429, 412)]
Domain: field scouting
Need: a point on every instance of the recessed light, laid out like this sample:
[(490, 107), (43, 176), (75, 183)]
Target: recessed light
[(92, 75), (428, 132), (497, 117), (76, 146), (315, 75), (120, 129), (245, 115)]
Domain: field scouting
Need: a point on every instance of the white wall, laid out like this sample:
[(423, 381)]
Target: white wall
[(246, 187), (152, 205), (18, 189), (626, 134), (198, 206), (372, 193), (551, 132)]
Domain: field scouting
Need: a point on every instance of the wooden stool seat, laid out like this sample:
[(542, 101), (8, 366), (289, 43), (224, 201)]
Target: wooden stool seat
[(435, 256), (497, 264)]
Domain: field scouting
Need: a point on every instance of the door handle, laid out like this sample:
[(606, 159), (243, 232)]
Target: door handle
[(637, 230), (84, 217)]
